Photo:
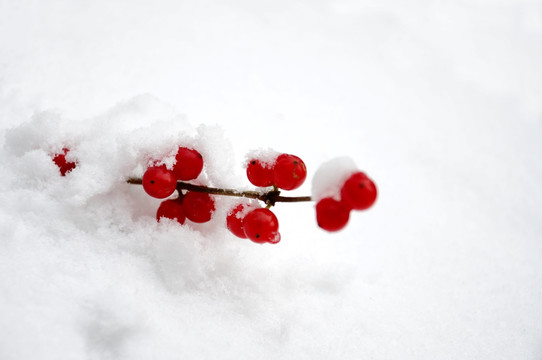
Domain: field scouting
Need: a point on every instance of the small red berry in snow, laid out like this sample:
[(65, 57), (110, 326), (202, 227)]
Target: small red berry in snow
[(260, 173), (359, 192), (159, 182), (171, 209), (234, 221), (261, 226), (63, 165), (198, 207), (189, 164), (332, 215), (289, 172)]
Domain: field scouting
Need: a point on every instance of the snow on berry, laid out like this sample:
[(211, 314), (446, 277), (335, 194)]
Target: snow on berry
[(260, 173), (330, 177), (234, 220), (236, 215), (267, 157)]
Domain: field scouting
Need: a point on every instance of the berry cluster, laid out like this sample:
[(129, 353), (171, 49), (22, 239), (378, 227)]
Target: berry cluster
[(286, 172), (247, 220), (160, 182), (357, 193), (255, 223)]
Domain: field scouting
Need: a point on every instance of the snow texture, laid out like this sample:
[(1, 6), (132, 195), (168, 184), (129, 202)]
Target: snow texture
[(439, 102), (267, 157), (331, 176)]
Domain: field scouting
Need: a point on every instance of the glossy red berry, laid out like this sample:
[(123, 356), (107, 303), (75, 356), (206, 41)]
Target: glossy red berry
[(198, 207), (189, 164), (159, 182), (260, 173), (359, 192), (261, 226), (234, 221), (63, 165), (171, 209), (332, 215), (289, 172)]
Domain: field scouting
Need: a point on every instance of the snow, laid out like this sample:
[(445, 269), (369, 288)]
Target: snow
[(267, 156), (439, 102), (331, 176)]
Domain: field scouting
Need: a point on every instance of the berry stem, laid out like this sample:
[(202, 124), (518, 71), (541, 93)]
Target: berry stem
[(270, 197)]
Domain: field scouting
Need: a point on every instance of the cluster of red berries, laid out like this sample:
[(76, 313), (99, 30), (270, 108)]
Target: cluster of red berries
[(260, 225), (160, 182), (357, 193), (255, 223), (286, 172), (246, 220)]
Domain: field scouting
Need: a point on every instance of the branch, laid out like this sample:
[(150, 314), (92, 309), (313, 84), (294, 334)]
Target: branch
[(270, 197)]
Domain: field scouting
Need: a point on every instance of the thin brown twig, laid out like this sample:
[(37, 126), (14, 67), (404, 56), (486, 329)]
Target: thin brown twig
[(270, 197)]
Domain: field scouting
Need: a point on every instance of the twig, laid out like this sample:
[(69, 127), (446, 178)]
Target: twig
[(270, 197)]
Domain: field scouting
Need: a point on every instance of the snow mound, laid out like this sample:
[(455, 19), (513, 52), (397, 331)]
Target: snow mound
[(84, 255)]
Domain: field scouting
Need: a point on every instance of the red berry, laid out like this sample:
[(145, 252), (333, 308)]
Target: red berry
[(234, 221), (359, 192), (171, 209), (159, 182), (289, 172), (198, 207), (260, 173), (63, 165), (189, 164), (261, 226), (332, 215)]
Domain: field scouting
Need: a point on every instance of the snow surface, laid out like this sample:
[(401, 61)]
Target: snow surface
[(439, 102)]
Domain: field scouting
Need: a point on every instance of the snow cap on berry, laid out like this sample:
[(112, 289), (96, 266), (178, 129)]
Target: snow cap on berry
[(247, 204), (265, 156), (330, 177), (236, 214)]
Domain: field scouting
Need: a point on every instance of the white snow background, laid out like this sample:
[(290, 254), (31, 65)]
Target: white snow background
[(440, 102)]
